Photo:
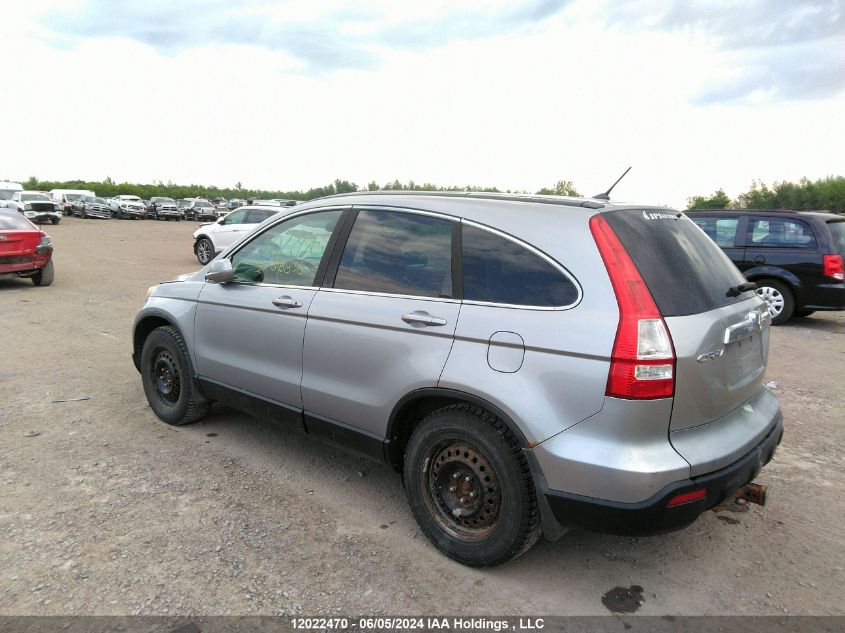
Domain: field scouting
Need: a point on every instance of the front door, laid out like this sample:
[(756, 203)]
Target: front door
[(248, 334)]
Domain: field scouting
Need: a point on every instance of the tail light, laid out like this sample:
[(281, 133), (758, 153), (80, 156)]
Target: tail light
[(833, 267), (642, 364)]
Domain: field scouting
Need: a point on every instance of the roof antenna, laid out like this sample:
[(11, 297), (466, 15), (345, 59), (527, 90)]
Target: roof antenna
[(606, 194)]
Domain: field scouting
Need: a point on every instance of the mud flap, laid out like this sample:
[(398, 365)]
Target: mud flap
[(552, 529)]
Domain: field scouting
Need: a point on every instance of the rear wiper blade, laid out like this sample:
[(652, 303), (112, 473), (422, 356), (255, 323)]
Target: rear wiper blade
[(735, 291)]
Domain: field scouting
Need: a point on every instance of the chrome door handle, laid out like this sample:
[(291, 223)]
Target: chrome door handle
[(424, 318), (287, 302)]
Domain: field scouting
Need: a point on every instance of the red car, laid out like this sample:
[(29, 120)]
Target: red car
[(25, 250)]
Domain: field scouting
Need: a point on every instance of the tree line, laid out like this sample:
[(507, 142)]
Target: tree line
[(823, 194), (108, 188), (826, 194)]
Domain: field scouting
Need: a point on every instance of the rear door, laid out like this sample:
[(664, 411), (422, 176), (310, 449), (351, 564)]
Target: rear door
[(382, 326), (787, 243), (720, 337)]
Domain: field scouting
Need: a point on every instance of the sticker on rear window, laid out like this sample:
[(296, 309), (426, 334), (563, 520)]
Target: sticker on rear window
[(655, 215)]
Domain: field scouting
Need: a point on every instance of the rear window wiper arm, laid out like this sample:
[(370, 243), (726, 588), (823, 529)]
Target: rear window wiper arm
[(735, 291)]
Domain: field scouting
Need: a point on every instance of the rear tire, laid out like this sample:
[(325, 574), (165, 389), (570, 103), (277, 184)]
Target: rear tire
[(168, 378), (470, 488), (778, 298), (44, 277)]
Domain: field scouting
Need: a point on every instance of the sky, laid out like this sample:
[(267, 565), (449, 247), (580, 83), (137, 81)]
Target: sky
[(693, 94)]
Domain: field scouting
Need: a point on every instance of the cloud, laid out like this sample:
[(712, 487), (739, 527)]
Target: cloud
[(324, 41), (772, 49), (469, 24)]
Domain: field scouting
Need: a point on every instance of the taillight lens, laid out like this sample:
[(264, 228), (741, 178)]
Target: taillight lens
[(833, 267), (642, 364), (688, 497)]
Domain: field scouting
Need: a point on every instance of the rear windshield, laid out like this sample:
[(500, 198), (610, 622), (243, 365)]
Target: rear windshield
[(683, 268), (837, 229), (14, 222)]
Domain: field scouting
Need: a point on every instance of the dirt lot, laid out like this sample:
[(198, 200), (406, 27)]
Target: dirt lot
[(109, 511)]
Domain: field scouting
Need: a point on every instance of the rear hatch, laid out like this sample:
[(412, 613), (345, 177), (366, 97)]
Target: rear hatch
[(721, 337)]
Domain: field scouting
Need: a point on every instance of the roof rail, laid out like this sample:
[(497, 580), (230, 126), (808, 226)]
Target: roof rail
[(482, 195)]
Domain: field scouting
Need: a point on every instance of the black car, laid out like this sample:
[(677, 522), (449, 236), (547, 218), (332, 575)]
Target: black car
[(794, 257)]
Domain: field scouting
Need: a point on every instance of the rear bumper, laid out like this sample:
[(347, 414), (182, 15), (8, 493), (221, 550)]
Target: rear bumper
[(826, 296), (653, 515)]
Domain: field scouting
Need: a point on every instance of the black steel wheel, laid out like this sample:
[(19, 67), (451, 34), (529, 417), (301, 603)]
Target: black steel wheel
[(167, 375), (470, 487)]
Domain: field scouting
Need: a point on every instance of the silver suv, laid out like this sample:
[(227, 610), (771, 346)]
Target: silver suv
[(529, 364)]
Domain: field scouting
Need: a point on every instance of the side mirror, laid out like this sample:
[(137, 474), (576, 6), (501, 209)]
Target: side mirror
[(221, 220), (220, 272)]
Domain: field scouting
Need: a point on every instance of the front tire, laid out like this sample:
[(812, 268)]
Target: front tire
[(204, 250), (778, 298), (44, 277), (470, 488), (168, 378), (800, 314)]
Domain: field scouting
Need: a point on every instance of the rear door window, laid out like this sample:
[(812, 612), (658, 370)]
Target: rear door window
[(498, 270), (397, 253), (780, 233), (684, 269)]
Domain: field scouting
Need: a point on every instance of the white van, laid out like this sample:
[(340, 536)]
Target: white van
[(66, 197), (7, 190)]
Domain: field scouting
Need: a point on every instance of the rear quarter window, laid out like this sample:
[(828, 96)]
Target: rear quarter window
[(498, 270), (837, 230), (686, 272)]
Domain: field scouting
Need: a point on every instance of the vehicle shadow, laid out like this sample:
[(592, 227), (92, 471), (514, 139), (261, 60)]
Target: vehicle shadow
[(576, 569)]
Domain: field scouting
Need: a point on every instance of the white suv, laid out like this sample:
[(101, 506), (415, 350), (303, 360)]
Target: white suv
[(213, 237)]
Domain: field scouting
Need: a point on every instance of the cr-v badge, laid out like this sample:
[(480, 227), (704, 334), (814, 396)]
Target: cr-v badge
[(711, 355)]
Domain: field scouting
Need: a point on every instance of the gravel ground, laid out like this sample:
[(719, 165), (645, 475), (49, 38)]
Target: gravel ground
[(105, 510)]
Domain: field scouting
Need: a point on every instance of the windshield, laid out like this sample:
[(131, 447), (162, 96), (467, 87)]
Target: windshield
[(837, 229), (203, 203), (74, 196), (6, 194), (35, 197), (164, 200), (96, 200), (130, 198)]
